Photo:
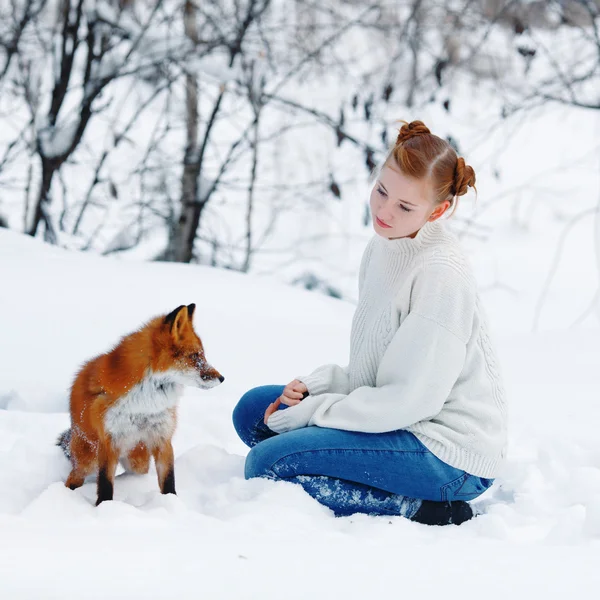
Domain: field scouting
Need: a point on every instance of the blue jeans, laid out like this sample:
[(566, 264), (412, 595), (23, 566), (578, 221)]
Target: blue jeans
[(348, 471)]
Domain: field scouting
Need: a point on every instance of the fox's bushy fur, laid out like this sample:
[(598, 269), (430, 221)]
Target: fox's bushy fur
[(123, 403)]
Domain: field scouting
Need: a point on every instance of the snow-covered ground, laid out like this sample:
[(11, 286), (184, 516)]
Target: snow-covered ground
[(224, 537)]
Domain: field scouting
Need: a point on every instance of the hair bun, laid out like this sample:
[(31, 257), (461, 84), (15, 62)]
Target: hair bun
[(410, 130), (464, 177)]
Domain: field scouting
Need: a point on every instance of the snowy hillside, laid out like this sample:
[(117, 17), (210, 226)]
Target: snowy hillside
[(224, 537)]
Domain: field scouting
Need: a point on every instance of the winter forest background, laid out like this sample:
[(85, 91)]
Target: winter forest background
[(137, 136), (241, 134)]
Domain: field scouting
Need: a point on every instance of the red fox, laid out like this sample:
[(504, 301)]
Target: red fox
[(124, 403)]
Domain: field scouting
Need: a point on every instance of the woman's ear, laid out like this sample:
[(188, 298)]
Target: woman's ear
[(439, 210)]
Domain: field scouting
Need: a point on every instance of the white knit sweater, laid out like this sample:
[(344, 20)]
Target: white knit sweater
[(420, 357)]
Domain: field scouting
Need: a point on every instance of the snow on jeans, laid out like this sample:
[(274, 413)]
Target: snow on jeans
[(347, 471)]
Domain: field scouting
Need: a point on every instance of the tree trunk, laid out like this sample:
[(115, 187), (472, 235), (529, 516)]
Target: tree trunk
[(43, 200), (415, 47), (193, 200), (182, 233), (250, 207)]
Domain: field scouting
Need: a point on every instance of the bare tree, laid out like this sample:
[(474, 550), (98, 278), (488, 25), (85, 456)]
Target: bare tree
[(104, 61), (221, 85), (194, 199)]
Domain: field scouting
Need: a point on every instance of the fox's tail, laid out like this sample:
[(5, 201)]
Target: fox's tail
[(64, 441)]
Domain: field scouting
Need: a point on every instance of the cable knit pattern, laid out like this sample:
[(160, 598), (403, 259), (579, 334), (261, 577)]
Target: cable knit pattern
[(421, 357)]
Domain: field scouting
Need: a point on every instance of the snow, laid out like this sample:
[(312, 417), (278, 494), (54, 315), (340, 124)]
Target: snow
[(222, 536), (225, 537)]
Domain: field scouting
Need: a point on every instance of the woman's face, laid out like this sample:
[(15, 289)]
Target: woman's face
[(401, 205)]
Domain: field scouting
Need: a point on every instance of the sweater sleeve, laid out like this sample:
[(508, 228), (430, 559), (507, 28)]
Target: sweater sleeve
[(333, 378), (418, 369), (325, 379)]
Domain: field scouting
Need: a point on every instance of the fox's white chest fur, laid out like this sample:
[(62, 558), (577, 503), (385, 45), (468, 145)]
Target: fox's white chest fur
[(144, 414)]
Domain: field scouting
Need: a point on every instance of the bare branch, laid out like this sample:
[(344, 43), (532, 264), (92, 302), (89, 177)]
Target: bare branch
[(31, 10), (250, 204), (557, 254)]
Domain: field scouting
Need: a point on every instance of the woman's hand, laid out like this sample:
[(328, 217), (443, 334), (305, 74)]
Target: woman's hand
[(293, 393), (271, 409)]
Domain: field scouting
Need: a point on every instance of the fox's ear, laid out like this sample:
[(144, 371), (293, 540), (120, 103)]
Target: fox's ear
[(177, 320), (191, 308)]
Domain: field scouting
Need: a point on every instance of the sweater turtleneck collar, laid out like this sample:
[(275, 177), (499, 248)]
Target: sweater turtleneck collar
[(429, 233)]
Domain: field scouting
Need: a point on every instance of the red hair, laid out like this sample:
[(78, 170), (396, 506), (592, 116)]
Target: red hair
[(423, 155)]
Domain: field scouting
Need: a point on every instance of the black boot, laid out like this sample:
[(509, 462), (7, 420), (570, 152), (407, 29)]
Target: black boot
[(443, 513)]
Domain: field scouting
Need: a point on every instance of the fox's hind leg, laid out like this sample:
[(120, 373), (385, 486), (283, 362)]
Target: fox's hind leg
[(84, 460), (108, 457), (138, 459), (165, 467)]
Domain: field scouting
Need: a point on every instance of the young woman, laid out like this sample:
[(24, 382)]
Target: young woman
[(415, 425)]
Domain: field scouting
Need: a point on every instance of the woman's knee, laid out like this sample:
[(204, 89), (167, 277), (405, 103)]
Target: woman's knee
[(250, 410), (246, 410), (241, 412)]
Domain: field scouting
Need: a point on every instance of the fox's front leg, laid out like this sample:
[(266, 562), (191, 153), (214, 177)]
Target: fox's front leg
[(108, 458), (165, 467)]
